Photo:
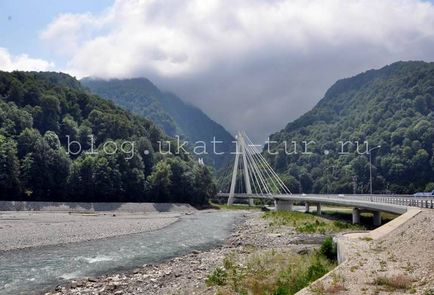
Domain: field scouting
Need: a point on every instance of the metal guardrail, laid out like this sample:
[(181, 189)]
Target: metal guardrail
[(400, 200)]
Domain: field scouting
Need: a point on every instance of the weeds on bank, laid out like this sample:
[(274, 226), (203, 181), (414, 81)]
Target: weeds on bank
[(337, 285), (218, 277), (308, 223), (271, 272), (393, 283)]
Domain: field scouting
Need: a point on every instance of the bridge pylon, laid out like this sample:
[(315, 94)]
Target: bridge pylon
[(240, 150), (258, 179)]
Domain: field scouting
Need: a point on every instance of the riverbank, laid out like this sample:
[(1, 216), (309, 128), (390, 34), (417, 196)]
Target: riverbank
[(255, 257), (189, 274), (34, 270)]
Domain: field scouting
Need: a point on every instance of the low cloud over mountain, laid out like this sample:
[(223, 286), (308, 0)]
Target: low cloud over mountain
[(251, 65)]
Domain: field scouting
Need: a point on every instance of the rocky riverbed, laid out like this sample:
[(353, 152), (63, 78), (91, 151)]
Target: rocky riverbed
[(187, 274)]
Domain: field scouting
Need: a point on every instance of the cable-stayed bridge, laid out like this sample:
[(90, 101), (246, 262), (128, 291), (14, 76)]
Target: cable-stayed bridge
[(254, 178)]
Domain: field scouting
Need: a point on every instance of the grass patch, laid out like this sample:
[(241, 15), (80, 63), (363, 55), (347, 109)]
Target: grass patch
[(269, 272), (397, 282), (308, 223), (272, 272)]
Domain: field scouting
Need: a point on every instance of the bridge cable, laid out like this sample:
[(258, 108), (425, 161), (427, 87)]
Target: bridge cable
[(257, 177), (254, 171), (270, 168), (254, 154), (257, 171), (285, 188), (270, 177)]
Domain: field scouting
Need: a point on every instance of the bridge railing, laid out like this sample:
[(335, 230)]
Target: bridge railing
[(400, 200), (421, 202)]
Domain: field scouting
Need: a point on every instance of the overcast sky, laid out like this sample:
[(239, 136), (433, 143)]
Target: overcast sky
[(251, 65)]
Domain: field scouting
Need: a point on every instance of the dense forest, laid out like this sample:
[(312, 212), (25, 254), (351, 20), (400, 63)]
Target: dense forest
[(392, 107), (43, 117), (169, 112)]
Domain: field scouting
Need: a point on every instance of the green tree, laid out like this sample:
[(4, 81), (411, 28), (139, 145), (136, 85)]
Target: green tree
[(204, 185), (46, 171), (81, 181), (10, 185), (27, 140), (108, 182), (160, 182)]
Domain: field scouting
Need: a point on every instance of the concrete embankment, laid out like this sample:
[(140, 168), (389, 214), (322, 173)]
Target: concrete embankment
[(395, 258), (94, 207), (347, 244)]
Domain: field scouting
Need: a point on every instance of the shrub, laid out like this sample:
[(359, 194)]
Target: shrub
[(328, 249), (217, 278)]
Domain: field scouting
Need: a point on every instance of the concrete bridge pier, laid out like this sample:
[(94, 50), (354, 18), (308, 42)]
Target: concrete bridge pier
[(283, 205), (356, 215), (318, 209), (376, 215), (377, 218), (307, 208)]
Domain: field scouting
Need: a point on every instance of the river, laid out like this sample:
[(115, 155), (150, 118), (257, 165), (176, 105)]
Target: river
[(33, 270)]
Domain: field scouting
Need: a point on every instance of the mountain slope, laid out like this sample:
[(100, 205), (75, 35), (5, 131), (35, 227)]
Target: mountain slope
[(392, 107), (168, 111), (60, 143)]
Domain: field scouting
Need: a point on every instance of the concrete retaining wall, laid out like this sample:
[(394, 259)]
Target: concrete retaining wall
[(94, 207), (350, 244)]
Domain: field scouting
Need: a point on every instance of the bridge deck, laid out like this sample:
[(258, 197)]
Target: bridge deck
[(386, 203)]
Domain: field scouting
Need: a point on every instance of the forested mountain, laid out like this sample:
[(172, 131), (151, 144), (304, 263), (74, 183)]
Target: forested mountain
[(392, 107), (169, 112), (45, 116)]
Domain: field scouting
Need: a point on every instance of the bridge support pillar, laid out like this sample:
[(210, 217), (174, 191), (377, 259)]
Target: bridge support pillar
[(377, 218), (283, 205), (356, 215), (318, 208), (307, 208)]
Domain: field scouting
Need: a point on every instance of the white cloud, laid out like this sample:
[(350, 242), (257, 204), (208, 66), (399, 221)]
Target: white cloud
[(234, 58), (22, 62)]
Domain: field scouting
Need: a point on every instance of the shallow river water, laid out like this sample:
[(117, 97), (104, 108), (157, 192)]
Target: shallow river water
[(33, 270)]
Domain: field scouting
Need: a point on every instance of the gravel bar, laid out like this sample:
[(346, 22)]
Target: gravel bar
[(20, 230)]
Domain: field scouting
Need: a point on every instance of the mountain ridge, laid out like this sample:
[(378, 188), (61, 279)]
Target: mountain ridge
[(168, 111), (392, 107)]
